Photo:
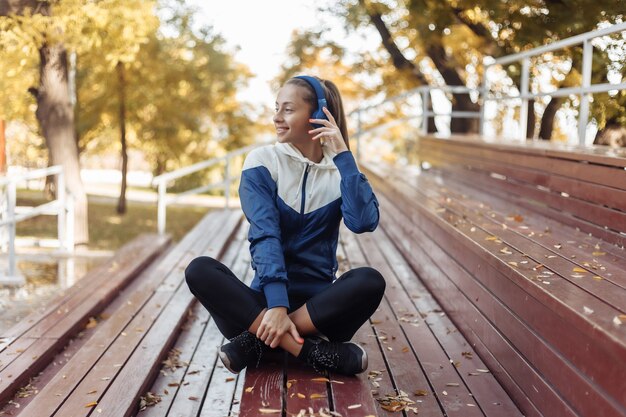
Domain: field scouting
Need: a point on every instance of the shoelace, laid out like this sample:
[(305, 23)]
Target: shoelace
[(249, 343), (324, 355)]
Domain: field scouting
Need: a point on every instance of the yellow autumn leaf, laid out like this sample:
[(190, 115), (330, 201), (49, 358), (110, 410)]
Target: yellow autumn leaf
[(578, 269), (315, 396), (91, 404)]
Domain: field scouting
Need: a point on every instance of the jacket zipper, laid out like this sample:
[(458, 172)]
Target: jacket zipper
[(306, 174)]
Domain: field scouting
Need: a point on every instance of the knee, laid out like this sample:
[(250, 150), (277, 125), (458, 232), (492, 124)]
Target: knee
[(198, 271), (372, 282)]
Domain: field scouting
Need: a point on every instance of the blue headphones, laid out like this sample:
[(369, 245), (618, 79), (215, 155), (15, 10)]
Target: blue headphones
[(321, 98)]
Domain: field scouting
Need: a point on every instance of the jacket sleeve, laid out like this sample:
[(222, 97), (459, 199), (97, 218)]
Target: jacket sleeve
[(359, 205), (257, 192)]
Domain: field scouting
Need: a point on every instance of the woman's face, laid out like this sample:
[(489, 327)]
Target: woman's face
[(292, 115)]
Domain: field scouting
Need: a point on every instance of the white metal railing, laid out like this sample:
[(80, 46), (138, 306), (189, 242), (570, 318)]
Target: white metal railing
[(484, 94), (11, 214), (584, 90), (161, 182), (425, 113)]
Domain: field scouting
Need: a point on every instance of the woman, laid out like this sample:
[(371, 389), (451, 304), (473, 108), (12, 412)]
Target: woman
[(294, 194)]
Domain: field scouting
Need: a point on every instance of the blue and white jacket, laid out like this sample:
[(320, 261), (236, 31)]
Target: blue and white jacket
[(294, 207)]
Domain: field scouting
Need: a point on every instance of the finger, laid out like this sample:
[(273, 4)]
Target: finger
[(322, 122), (260, 331), (296, 335), (329, 115)]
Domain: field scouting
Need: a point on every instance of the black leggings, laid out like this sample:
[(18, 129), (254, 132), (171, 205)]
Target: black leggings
[(337, 312)]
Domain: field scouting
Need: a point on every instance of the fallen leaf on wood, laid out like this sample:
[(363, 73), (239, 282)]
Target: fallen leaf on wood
[(269, 411), (400, 402), (148, 400), (421, 392), (354, 406), (579, 269), (249, 389), (192, 398), (316, 396), (91, 323), (320, 379), (91, 404)]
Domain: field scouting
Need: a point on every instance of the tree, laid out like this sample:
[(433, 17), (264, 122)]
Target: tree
[(54, 109)]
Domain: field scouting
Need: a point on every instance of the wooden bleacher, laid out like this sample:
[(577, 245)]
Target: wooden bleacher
[(485, 313)]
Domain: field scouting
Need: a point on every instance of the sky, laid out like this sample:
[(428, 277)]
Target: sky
[(262, 31)]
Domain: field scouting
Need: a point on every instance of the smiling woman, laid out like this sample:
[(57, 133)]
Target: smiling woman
[(294, 194)]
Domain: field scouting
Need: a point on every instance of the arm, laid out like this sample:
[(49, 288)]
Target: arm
[(257, 192), (359, 205)]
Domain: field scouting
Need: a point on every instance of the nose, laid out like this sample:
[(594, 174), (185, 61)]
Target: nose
[(277, 117)]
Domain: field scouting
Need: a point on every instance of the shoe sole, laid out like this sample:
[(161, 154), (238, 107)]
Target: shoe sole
[(363, 359), (226, 361)]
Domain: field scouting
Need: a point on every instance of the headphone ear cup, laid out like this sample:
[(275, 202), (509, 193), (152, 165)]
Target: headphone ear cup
[(318, 114)]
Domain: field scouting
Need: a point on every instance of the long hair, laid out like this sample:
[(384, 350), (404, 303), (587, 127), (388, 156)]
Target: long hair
[(333, 98)]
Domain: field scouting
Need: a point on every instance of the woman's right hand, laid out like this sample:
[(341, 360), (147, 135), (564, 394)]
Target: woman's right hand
[(274, 325)]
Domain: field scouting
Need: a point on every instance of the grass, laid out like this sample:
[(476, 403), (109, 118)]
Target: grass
[(107, 229)]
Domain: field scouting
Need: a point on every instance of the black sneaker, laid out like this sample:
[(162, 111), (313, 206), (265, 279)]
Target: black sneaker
[(242, 351), (344, 358)]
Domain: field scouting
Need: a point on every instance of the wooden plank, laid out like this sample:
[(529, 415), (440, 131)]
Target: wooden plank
[(477, 181), (378, 377), (487, 392), (595, 193), (203, 373), (550, 257), (221, 391), (465, 316), (124, 261), (612, 176), (502, 319), (613, 337), (598, 154), (38, 354), (574, 245), (64, 383), (591, 211), (441, 371), (170, 380), (305, 389), (121, 398), (264, 387), (407, 370)]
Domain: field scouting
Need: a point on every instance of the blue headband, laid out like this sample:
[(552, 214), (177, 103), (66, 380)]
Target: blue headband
[(321, 98)]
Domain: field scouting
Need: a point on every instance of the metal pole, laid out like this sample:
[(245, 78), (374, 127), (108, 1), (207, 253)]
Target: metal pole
[(523, 119), (62, 208), (483, 94), (227, 182), (583, 113), (11, 194), (425, 98), (161, 208)]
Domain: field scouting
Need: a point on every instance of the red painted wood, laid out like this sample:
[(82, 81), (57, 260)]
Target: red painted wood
[(457, 258), (264, 387), (64, 383), (54, 330)]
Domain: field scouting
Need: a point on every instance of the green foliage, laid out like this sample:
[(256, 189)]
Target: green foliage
[(180, 79)]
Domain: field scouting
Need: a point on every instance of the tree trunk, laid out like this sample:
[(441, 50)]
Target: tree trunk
[(400, 62), (3, 149), (121, 204), (55, 114), (532, 118), (56, 118), (547, 120), (613, 135), (460, 102)]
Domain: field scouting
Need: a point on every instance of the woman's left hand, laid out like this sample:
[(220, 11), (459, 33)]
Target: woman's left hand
[(329, 134)]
